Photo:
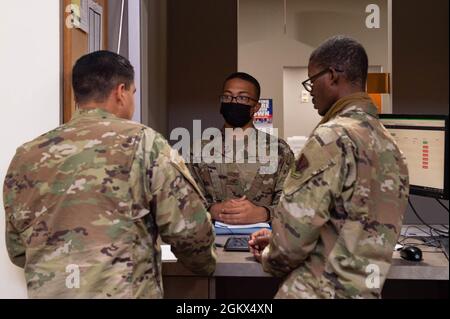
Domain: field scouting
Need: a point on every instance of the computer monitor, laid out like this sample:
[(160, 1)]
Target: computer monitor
[(423, 139)]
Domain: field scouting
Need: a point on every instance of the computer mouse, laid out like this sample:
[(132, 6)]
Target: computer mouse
[(411, 253)]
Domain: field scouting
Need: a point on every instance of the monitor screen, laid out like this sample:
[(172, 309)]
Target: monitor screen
[(424, 142)]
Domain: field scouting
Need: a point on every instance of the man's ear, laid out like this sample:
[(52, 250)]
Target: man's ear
[(334, 76), (120, 92)]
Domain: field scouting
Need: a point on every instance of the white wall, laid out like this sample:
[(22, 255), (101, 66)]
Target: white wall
[(134, 46), (29, 96), (294, 109), (266, 48), (300, 117)]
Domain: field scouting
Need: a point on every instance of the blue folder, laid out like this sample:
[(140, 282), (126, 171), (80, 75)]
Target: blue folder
[(237, 231)]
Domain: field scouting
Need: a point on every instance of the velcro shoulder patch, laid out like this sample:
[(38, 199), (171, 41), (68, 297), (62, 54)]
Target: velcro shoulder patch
[(314, 159)]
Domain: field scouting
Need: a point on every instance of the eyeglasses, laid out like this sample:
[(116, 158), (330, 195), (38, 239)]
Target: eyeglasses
[(308, 84), (239, 99)]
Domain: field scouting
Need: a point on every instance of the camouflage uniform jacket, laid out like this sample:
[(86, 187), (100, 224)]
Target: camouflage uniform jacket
[(341, 211), (90, 198), (259, 175)]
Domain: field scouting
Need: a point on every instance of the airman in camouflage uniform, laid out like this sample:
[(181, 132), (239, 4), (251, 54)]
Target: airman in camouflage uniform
[(244, 185), (87, 202), (342, 207), (250, 175)]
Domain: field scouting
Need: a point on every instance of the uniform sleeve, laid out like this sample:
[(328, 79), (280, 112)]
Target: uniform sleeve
[(194, 169), (308, 194), (180, 215), (14, 243), (287, 162)]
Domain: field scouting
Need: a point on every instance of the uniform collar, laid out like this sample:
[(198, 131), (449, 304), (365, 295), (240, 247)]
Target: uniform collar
[(352, 103), (368, 108), (93, 113)]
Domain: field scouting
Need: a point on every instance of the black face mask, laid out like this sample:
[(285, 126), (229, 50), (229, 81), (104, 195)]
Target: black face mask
[(236, 114)]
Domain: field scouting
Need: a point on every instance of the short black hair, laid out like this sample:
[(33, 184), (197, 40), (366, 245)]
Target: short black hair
[(345, 54), (246, 77), (95, 76)]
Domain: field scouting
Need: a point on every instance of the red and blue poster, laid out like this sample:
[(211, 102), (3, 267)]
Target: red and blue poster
[(263, 120)]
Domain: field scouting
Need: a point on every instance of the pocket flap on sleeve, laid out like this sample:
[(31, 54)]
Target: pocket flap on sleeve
[(312, 161)]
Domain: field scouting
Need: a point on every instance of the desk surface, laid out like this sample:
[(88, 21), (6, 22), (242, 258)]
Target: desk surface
[(240, 264)]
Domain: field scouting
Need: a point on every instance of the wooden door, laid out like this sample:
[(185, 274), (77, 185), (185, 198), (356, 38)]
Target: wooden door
[(75, 42)]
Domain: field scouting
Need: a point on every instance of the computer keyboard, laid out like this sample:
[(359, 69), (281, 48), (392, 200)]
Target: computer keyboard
[(237, 243)]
